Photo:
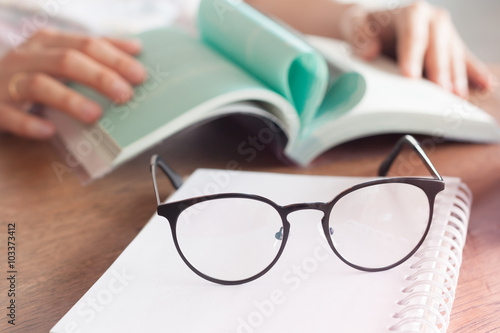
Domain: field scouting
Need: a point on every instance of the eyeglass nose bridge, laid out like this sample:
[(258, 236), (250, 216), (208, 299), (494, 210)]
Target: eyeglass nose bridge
[(318, 206), (321, 206)]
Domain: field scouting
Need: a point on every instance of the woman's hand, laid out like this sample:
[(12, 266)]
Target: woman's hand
[(421, 37), (33, 72), (423, 40)]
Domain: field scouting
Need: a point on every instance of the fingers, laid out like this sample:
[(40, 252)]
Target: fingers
[(371, 46), (130, 46), (459, 69), (44, 89), (427, 38), (23, 124), (76, 66), (55, 38), (412, 33), (447, 61), (438, 57), (106, 65), (115, 59), (112, 53), (361, 30), (478, 73)]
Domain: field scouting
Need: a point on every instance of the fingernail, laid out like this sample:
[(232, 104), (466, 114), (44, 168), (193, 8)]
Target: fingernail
[(483, 84), (489, 81), (461, 86), (371, 50), (90, 111), (135, 42), (414, 70), (40, 129), (121, 91), (136, 73)]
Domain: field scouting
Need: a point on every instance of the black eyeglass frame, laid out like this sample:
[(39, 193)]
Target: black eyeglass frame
[(430, 186)]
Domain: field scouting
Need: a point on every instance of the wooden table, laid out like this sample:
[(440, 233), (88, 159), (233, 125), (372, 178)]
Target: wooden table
[(67, 235)]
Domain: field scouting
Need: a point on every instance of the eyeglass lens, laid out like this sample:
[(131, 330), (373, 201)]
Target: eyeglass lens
[(231, 238), (378, 226)]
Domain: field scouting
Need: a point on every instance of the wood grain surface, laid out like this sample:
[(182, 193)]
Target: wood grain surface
[(67, 234)]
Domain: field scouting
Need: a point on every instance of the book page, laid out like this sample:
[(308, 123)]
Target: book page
[(390, 103), (267, 50)]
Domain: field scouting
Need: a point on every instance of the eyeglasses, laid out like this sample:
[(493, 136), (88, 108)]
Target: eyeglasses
[(234, 238)]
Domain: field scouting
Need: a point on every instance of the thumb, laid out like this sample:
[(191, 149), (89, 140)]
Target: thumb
[(370, 50), (361, 31)]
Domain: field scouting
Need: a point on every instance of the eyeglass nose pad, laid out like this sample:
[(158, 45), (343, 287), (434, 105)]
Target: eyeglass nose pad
[(329, 231), (321, 229), (279, 234)]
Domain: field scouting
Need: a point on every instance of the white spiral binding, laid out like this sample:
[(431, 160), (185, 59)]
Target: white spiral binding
[(427, 304)]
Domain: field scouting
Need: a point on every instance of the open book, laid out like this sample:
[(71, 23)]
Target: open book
[(245, 63), (150, 289)]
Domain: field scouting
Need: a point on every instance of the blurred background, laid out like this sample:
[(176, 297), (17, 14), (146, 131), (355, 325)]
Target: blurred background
[(478, 22)]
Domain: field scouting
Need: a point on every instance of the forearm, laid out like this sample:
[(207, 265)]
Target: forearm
[(317, 17)]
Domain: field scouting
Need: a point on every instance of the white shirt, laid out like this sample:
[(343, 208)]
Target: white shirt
[(20, 18)]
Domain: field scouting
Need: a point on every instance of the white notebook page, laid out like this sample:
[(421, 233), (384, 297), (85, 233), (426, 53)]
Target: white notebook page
[(150, 289)]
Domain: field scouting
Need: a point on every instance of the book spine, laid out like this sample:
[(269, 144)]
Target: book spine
[(427, 302)]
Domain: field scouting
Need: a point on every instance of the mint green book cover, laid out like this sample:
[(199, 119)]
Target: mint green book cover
[(239, 49), (182, 73), (270, 52)]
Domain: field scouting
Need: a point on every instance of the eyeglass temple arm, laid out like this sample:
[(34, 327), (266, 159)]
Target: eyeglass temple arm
[(175, 179), (412, 142)]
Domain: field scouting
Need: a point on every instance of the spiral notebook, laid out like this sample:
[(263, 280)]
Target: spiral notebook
[(150, 289)]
